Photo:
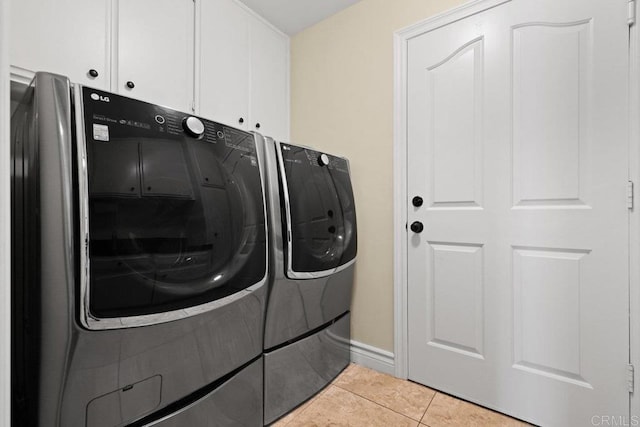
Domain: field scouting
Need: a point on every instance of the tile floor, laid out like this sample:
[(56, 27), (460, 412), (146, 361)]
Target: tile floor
[(363, 397)]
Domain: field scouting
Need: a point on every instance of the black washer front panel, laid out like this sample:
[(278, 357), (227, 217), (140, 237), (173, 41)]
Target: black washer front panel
[(174, 220)]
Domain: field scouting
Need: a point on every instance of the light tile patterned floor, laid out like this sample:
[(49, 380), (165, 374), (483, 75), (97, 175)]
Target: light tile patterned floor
[(363, 397)]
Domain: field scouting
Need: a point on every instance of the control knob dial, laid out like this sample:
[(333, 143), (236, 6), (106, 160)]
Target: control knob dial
[(193, 126), (323, 160)]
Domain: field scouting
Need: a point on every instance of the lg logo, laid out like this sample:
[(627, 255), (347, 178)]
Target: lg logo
[(97, 97)]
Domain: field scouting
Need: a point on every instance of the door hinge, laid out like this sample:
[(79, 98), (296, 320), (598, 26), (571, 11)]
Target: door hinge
[(632, 13), (630, 195), (630, 376)]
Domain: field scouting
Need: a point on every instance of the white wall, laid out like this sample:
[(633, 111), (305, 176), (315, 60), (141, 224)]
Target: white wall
[(342, 102), (5, 237)]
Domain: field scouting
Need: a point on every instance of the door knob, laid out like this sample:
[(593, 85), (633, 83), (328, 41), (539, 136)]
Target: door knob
[(130, 84), (417, 227), (417, 201)]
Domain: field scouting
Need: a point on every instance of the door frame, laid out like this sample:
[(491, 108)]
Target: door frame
[(634, 214), (400, 196)]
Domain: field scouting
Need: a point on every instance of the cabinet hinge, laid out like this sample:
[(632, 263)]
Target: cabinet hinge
[(630, 377), (193, 106), (632, 13), (630, 195)]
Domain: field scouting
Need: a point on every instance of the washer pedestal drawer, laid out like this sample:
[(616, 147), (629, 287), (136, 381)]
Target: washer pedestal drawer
[(236, 402)]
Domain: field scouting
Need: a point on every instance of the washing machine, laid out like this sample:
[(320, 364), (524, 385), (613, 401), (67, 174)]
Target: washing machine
[(139, 264), (313, 237)]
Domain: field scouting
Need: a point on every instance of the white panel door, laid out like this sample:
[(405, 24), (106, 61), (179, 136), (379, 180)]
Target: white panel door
[(68, 37), (518, 145), (269, 81), (155, 51), (225, 63)]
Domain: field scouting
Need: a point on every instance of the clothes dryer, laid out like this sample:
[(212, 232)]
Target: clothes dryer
[(139, 264), (313, 237)]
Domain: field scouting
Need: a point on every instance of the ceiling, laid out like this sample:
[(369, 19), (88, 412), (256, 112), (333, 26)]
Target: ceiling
[(292, 16)]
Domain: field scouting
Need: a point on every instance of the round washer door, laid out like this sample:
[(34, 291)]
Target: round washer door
[(174, 221)]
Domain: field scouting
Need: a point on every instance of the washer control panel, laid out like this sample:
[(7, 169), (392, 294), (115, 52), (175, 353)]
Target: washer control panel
[(109, 116)]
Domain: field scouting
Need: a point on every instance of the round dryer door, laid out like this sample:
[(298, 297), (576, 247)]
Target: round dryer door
[(320, 211)]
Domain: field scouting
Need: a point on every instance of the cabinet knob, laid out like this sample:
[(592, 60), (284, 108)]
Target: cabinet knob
[(93, 73), (130, 84), (257, 125), (241, 120)]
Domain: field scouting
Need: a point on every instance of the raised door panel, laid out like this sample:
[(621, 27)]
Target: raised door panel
[(269, 81), (547, 320), (551, 95), (455, 298), (224, 63), (454, 91), (155, 51), (68, 37)]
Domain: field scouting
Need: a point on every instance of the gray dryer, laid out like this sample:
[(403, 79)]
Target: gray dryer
[(313, 239)]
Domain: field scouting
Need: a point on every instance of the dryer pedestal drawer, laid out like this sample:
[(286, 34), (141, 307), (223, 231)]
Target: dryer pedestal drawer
[(236, 402), (296, 372)]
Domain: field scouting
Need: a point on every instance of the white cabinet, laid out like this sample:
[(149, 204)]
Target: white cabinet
[(224, 63), (269, 112), (68, 37), (155, 40), (167, 52), (244, 70), (110, 45)]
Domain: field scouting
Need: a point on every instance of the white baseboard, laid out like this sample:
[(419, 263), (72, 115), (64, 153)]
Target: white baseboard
[(372, 357)]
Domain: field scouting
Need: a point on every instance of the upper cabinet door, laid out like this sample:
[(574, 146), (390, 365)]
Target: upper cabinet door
[(68, 37), (225, 62), (155, 51), (269, 81)]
